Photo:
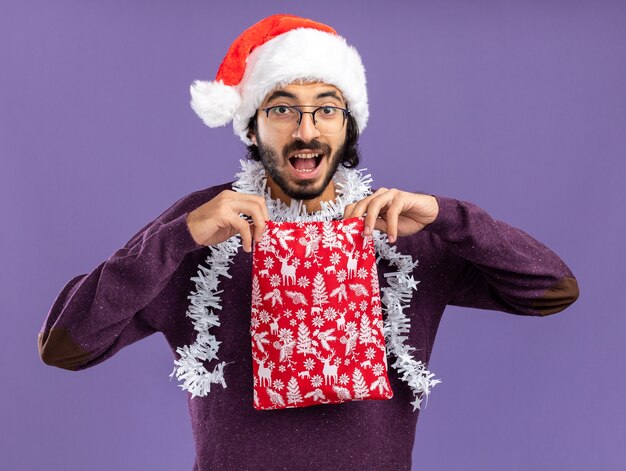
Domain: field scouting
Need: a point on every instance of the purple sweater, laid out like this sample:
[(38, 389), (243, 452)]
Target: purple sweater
[(466, 258)]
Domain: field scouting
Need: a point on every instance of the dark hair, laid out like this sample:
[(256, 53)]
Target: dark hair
[(350, 157)]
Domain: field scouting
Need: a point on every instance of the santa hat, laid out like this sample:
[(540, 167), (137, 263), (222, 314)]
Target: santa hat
[(274, 52)]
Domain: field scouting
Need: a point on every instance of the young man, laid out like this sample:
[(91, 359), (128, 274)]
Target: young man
[(296, 94)]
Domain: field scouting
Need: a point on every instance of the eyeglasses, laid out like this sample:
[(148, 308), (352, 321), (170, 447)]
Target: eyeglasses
[(285, 119)]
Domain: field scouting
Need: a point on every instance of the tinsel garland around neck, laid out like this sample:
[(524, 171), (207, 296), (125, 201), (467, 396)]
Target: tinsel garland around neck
[(351, 186)]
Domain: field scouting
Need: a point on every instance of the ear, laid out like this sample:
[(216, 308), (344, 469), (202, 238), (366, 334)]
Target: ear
[(252, 137)]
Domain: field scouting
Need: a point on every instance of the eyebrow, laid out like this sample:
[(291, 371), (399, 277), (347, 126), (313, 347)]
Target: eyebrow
[(284, 94), (279, 94), (330, 94)]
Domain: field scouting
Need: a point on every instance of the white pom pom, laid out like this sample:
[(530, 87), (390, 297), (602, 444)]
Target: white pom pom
[(214, 102)]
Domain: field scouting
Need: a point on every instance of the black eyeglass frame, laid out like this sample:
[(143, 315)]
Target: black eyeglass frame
[(344, 111)]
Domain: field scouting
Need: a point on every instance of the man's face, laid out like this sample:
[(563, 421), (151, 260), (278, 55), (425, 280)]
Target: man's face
[(284, 156)]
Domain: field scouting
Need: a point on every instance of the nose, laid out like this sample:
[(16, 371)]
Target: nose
[(306, 130)]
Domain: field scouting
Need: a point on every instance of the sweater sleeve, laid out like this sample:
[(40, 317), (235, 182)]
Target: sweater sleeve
[(98, 313), (502, 267)]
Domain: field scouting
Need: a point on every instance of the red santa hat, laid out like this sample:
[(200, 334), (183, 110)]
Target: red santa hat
[(274, 52)]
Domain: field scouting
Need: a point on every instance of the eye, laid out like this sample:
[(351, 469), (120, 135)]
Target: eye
[(281, 111), (328, 111)]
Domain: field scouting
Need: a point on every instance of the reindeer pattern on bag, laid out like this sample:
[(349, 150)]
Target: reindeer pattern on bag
[(316, 321)]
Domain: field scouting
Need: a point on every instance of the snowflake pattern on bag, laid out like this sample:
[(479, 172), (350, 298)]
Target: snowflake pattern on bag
[(316, 323)]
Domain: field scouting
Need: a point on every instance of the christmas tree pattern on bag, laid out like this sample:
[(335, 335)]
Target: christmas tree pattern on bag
[(316, 321)]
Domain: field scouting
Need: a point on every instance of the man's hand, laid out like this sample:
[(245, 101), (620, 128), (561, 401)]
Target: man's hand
[(398, 213), (218, 219)]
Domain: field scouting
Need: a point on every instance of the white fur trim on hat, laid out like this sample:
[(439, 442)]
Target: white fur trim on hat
[(302, 53), (214, 102)]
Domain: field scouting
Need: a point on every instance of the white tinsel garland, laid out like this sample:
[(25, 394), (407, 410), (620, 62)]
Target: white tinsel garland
[(351, 186)]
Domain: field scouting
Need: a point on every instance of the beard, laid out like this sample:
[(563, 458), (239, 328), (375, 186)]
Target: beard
[(301, 189)]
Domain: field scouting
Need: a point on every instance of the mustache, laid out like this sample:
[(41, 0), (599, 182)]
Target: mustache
[(299, 144)]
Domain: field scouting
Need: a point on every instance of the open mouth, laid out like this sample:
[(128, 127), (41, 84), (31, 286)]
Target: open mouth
[(306, 163)]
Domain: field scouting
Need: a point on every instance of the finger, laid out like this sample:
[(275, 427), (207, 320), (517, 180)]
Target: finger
[(243, 228), (348, 210), (260, 227), (250, 201), (257, 227), (391, 218), (374, 208), (257, 233), (253, 208), (261, 200), (381, 225), (360, 208)]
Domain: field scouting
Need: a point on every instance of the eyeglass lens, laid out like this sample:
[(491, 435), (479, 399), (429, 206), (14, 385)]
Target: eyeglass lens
[(286, 119)]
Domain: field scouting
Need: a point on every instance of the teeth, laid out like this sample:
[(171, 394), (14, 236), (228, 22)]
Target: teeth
[(306, 156)]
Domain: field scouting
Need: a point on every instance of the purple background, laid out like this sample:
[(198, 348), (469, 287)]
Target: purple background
[(519, 107)]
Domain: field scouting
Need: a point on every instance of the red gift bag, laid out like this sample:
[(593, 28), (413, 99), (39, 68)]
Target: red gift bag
[(316, 323)]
